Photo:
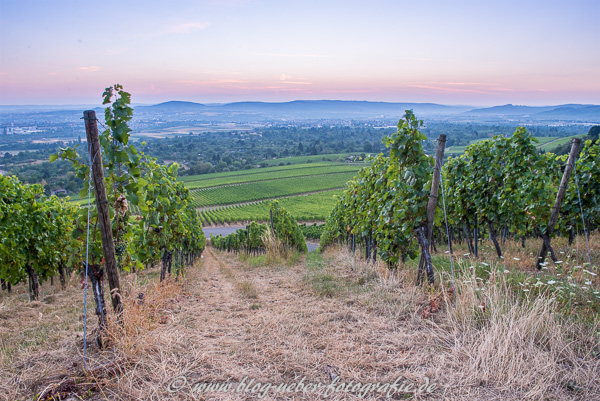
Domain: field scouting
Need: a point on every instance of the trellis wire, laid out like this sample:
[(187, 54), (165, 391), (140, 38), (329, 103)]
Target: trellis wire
[(582, 219), (447, 230), (87, 247)]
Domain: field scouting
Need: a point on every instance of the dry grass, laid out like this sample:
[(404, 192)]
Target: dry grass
[(501, 340), (331, 316), (277, 253), (491, 339), (42, 342), (573, 283), (247, 289), (373, 285)]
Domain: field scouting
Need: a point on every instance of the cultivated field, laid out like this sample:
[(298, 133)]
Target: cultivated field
[(545, 143), (311, 207), (307, 190)]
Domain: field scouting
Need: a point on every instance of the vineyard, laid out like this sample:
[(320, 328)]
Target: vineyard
[(500, 185), (332, 157), (248, 192), (268, 174), (300, 200), (306, 190), (544, 143), (44, 237), (316, 206), (256, 238), (258, 291)]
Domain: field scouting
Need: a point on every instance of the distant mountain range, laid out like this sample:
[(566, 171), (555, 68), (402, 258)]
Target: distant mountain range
[(307, 109), (565, 112), (339, 109), (248, 112)]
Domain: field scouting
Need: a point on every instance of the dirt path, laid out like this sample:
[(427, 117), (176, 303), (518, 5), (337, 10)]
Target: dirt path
[(231, 323), (265, 324)]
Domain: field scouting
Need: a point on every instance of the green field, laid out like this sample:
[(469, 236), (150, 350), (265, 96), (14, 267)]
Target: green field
[(266, 174), (303, 208), (305, 187), (252, 191), (201, 181), (552, 141), (239, 173), (548, 146), (455, 150), (81, 201), (335, 157)]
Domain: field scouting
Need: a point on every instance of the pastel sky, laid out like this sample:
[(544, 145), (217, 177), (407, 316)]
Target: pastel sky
[(475, 52)]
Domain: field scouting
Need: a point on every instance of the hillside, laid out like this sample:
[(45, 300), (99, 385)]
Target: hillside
[(364, 110), (322, 319), (569, 112), (300, 109)]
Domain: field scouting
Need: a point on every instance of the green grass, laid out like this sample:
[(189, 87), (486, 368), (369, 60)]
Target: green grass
[(294, 167), (309, 174), (287, 163), (80, 201), (322, 279)]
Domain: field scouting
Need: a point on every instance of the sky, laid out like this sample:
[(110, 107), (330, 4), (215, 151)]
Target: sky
[(469, 52)]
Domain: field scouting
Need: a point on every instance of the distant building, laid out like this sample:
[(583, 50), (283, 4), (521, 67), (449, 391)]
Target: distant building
[(60, 191)]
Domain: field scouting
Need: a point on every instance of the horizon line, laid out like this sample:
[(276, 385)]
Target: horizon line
[(212, 103)]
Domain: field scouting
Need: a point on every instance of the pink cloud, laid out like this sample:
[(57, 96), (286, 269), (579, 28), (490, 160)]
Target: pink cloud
[(92, 68)]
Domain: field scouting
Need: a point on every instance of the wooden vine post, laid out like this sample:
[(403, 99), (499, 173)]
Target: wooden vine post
[(110, 260), (424, 235), (562, 189)]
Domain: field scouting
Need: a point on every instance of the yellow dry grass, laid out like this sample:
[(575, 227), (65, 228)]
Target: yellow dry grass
[(325, 318)]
